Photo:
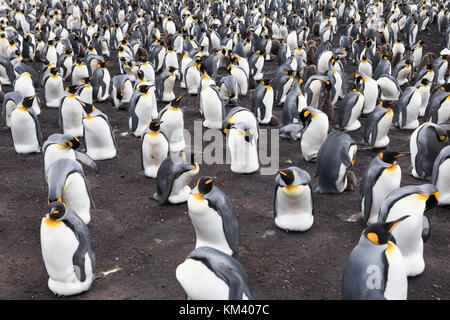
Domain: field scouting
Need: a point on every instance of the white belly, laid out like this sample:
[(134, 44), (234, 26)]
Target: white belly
[(76, 197), (23, 131), (353, 123), (444, 112), (314, 136), (412, 112), (192, 80), (72, 114), (180, 189), (397, 281), (207, 225), (143, 112), (294, 209), (383, 127), (443, 183), (244, 156), (173, 125), (154, 152), (212, 109), (99, 142)]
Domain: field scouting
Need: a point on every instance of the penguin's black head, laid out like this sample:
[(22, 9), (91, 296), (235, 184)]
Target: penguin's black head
[(144, 88), (266, 82), (54, 70), (205, 185), (73, 143), (86, 80), (429, 66), (409, 62), (446, 87), (288, 176), (189, 158), (380, 233), (425, 81), (432, 201), (68, 51), (328, 85), (304, 116), (155, 125), (202, 68), (102, 64), (88, 108), (390, 156), (72, 89), (140, 74), (289, 72), (27, 102), (175, 102), (171, 69), (358, 79), (57, 210)]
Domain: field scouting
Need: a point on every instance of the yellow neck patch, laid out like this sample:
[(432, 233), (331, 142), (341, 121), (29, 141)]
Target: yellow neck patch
[(52, 223)]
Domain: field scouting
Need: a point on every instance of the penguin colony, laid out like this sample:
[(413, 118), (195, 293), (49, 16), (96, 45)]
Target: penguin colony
[(219, 51)]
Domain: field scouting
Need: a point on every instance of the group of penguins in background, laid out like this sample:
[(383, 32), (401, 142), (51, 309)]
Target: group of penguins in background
[(162, 44)]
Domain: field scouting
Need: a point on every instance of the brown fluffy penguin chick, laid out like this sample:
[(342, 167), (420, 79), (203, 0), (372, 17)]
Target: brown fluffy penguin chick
[(396, 59), (377, 57), (142, 54), (427, 59), (275, 46), (311, 55), (310, 71), (351, 181), (315, 29), (82, 51), (311, 43), (343, 61), (327, 107)]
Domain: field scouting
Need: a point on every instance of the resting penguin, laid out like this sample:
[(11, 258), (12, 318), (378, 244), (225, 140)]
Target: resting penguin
[(229, 89), (335, 158), (425, 144), (213, 107), (369, 88), (164, 85), (101, 82), (79, 71), (262, 102), (440, 69), (384, 67), (243, 115), (382, 176), (313, 89), (141, 110), (71, 113), (281, 86), (351, 110), (174, 175), (98, 134), (389, 88), (424, 87), (408, 108), (441, 176), (67, 251), (122, 91), (438, 110), (86, 91), (155, 148), (377, 127), (375, 269), (172, 121), (415, 200), (293, 200), (314, 132), (213, 218), (25, 128), (243, 148), (67, 183), (210, 274), (10, 101)]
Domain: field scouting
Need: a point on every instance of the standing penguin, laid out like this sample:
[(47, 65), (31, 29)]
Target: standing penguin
[(10, 101), (369, 88), (382, 176), (25, 127), (174, 175), (409, 106), (71, 113), (67, 183), (314, 132), (122, 91), (293, 201), (242, 147), (389, 88), (208, 273), (164, 85), (155, 148), (98, 134), (377, 127), (425, 144), (262, 102), (415, 200), (86, 91), (351, 110), (172, 121), (53, 88), (335, 158), (67, 251), (441, 176), (141, 110), (213, 218), (375, 269), (313, 89), (244, 115), (101, 82), (79, 71), (213, 107)]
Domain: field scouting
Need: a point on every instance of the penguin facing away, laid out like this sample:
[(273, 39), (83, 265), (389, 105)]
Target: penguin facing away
[(293, 201), (375, 269), (210, 274), (67, 251), (213, 218)]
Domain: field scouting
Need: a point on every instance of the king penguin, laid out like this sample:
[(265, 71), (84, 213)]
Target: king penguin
[(25, 128), (293, 201), (262, 102), (334, 160), (208, 273), (213, 218), (67, 251), (441, 176), (71, 113), (375, 269), (410, 238), (382, 176), (10, 101), (377, 127), (155, 148), (314, 132), (243, 149), (174, 175), (67, 183), (122, 91), (409, 106), (141, 110), (351, 110), (172, 121)]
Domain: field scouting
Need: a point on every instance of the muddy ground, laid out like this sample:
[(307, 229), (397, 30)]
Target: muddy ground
[(144, 243)]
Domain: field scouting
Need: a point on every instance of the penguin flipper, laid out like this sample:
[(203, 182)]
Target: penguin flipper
[(168, 187), (426, 228), (84, 158), (236, 288)]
